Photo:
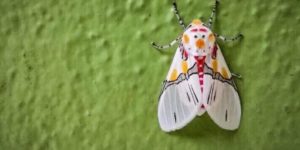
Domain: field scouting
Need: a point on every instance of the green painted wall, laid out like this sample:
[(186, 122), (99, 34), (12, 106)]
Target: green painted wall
[(82, 74)]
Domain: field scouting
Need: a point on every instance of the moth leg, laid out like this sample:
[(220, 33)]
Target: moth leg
[(212, 14), (177, 15), (160, 47), (229, 39), (236, 75)]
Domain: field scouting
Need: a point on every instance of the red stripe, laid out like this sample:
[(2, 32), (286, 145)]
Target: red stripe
[(200, 63), (185, 53), (203, 30), (194, 30), (214, 51)]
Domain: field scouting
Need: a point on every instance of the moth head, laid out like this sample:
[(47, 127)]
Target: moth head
[(197, 39)]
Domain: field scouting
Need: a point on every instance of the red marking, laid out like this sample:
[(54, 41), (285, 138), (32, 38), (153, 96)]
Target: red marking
[(202, 106), (185, 53), (201, 76), (200, 60), (200, 65), (194, 30), (214, 51), (203, 30), (200, 30)]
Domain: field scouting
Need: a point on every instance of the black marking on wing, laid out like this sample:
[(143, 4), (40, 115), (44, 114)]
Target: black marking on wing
[(194, 94), (218, 76), (213, 92), (181, 77), (215, 95), (175, 119), (188, 96), (226, 115), (194, 71), (210, 93)]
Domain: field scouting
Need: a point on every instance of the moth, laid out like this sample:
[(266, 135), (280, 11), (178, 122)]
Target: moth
[(199, 79)]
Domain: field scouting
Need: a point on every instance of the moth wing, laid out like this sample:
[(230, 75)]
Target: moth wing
[(220, 93), (180, 99)]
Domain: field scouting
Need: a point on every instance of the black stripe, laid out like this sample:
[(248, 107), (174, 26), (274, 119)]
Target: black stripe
[(212, 90), (175, 119), (215, 95), (169, 83), (194, 94), (218, 76), (226, 115), (187, 94), (207, 71), (209, 94)]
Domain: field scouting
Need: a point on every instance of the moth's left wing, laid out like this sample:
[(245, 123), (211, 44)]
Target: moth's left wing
[(220, 93), (180, 98)]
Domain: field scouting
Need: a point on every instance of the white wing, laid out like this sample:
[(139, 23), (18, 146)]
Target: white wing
[(180, 98), (220, 93)]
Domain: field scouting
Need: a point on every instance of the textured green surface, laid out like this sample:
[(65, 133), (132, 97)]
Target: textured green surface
[(82, 75)]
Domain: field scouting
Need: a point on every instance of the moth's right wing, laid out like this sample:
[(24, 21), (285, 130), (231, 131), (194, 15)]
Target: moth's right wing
[(180, 99), (222, 101)]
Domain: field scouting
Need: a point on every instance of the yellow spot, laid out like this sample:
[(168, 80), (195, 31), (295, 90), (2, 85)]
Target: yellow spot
[(200, 44), (224, 73), (211, 38), (184, 66), (186, 39), (214, 65), (174, 75), (196, 21)]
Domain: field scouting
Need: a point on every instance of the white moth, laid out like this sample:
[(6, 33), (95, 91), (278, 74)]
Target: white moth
[(199, 80)]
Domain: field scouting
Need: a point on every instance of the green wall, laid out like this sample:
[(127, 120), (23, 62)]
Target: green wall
[(82, 74)]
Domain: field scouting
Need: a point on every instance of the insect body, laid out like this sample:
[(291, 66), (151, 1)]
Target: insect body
[(198, 80)]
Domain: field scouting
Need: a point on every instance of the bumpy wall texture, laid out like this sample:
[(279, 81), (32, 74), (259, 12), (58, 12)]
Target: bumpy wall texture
[(82, 74)]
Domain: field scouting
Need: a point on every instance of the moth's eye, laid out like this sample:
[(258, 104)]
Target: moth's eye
[(195, 36), (203, 36)]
